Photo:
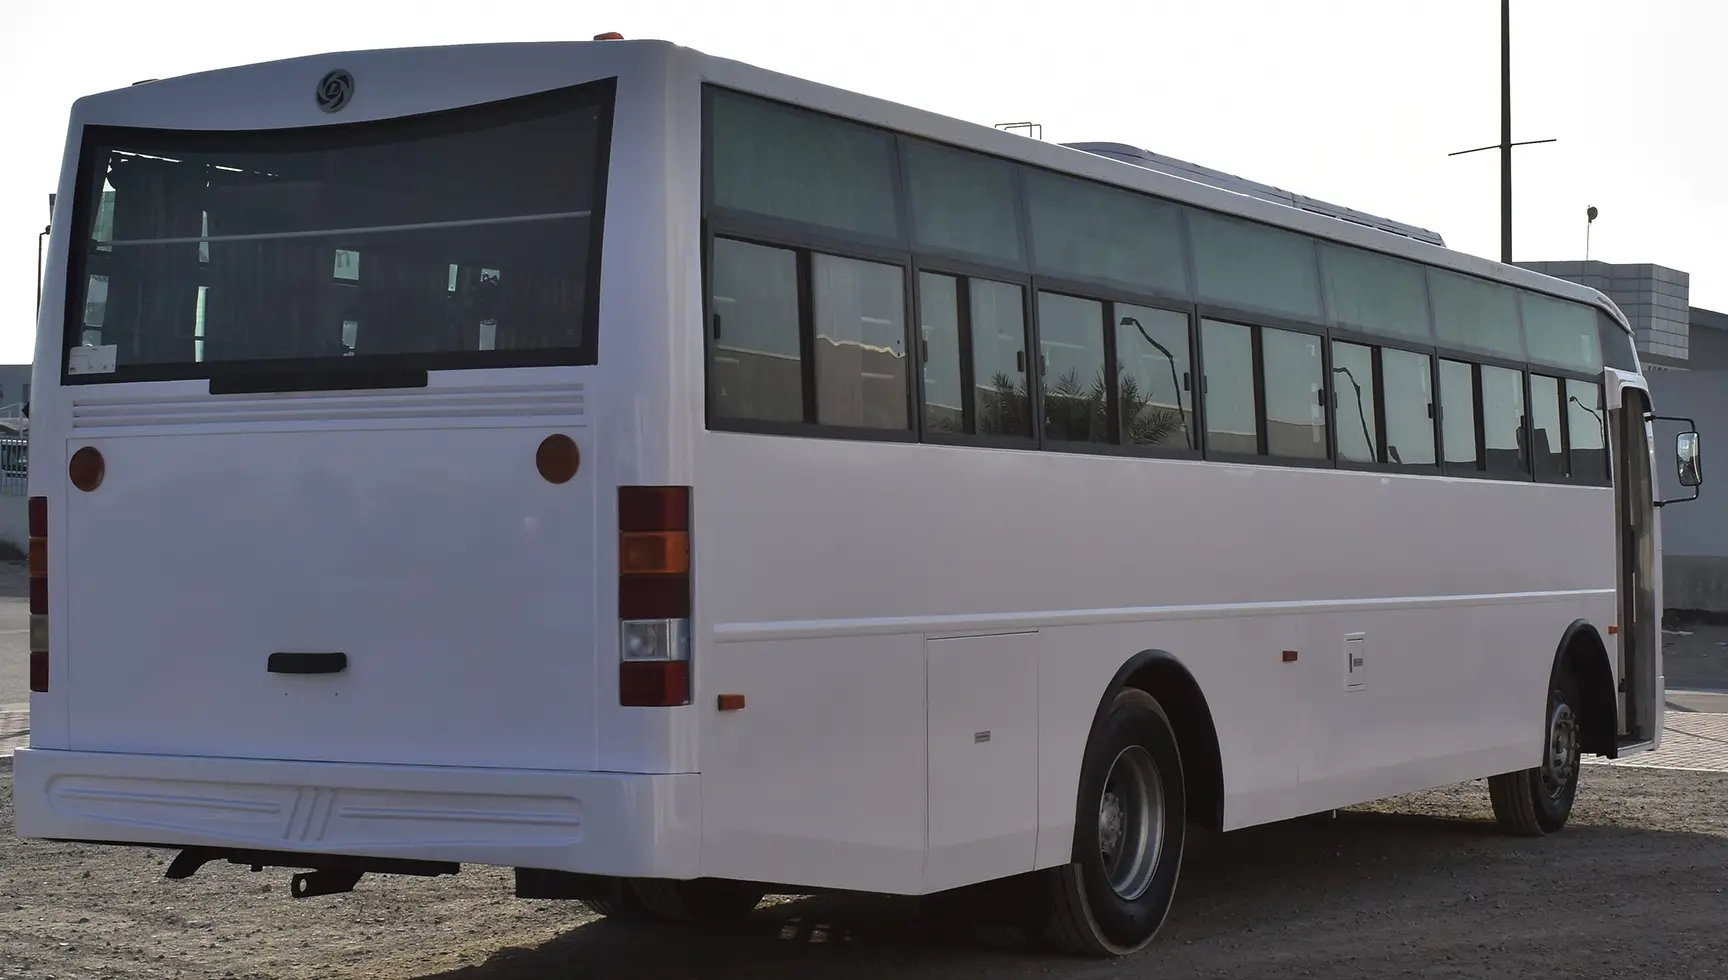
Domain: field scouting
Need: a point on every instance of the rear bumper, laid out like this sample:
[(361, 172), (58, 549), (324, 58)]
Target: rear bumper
[(596, 823)]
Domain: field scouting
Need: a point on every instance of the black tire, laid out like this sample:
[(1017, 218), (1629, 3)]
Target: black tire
[(708, 901), (622, 905), (1535, 802), (1082, 912)]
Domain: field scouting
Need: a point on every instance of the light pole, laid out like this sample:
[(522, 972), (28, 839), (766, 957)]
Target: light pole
[(1505, 145)]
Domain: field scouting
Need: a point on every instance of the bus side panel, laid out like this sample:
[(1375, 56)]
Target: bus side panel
[(820, 779), (1237, 664)]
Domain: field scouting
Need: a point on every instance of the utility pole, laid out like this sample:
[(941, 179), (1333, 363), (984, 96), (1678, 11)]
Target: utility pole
[(1505, 145), (1506, 131)]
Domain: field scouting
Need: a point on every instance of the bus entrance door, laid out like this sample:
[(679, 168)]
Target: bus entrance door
[(1640, 630)]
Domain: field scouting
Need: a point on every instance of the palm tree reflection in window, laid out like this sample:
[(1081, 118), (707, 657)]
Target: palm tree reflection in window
[(1144, 423)]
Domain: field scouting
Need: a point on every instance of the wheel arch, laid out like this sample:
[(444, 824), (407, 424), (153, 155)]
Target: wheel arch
[(1160, 674), (1585, 656)]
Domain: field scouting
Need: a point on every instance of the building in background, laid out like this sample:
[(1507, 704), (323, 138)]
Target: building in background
[(1684, 351)]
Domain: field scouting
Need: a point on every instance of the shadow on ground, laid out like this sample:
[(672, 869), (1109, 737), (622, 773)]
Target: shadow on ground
[(1356, 894)]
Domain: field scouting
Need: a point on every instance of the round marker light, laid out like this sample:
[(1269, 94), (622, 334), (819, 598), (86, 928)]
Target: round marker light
[(558, 458), (87, 468)]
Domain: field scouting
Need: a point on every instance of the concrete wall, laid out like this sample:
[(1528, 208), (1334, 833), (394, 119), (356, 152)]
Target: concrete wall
[(1695, 534)]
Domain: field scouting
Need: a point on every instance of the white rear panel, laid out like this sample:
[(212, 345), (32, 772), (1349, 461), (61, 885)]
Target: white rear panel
[(459, 583)]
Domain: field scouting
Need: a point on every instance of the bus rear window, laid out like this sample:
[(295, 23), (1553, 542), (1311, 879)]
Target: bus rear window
[(468, 238)]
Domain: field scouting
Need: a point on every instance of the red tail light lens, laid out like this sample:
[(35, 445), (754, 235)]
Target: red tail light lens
[(653, 509), (39, 594), (654, 596), (647, 684)]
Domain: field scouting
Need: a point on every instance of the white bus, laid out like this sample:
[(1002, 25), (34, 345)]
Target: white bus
[(682, 482)]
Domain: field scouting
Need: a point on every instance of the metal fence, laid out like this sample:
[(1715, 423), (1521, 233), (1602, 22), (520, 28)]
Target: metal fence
[(14, 465)]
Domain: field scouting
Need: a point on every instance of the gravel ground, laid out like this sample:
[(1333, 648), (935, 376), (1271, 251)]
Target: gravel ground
[(1417, 886)]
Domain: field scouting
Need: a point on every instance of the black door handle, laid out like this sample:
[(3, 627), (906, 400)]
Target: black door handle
[(308, 663)]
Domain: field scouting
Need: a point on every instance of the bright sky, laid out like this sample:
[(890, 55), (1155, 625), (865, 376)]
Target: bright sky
[(1352, 101)]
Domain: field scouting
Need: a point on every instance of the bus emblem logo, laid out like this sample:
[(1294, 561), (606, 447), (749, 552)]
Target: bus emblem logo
[(335, 90)]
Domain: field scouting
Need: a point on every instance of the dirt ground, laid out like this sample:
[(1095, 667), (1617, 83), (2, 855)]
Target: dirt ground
[(1419, 886)]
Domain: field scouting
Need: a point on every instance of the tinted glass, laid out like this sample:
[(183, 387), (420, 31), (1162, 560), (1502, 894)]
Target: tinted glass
[(1353, 394), (1504, 428), (1458, 414), (1001, 398), (1239, 263), (293, 234), (939, 329), (1547, 448), (1157, 407), (1588, 431), (962, 202), (780, 162), (1227, 351), (1475, 314), (1617, 351), (1295, 378), (1071, 337), (860, 343), (1091, 231), (1374, 293), (1409, 387), (1561, 333), (757, 371)]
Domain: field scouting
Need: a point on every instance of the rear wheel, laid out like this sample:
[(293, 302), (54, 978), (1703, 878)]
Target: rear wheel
[(622, 904), (1128, 836), (711, 901), (1538, 801)]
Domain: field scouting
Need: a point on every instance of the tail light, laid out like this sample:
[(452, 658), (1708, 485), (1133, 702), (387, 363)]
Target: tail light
[(39, 594), (654, 596)]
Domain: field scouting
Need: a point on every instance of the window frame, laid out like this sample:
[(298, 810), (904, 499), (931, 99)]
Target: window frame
[(1378, 344), (965, 271), (1109, 298), (1023, 224), (1606, 477), (1323, 313), (1522, 368), (801, 230), (806, 344), (1530, 376), (1091, 284), (1564, 376), (1258, 322)]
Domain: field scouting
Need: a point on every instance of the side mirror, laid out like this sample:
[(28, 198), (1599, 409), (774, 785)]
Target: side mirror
[(1687, 457), (1687, 453)]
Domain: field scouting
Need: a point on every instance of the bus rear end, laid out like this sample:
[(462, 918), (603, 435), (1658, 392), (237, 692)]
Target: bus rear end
[(331, 485)]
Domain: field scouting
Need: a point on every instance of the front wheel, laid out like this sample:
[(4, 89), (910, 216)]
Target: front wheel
[(1538, 801), (1129, 833)]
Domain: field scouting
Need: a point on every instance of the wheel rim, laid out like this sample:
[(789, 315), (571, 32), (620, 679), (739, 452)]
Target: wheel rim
[(1131, 822), (1561, 763)]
